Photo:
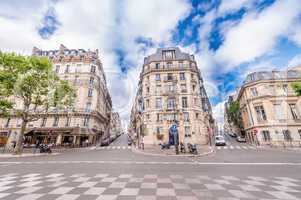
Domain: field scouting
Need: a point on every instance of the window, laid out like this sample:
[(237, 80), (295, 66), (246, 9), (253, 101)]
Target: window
[(86, 121), (254, 92), (158, 103), (187, 131), (278, 111), (68, 121), (169, 76), (158, 77), (299, 131), (157, 65), (7, 122), (90, 92), (294, 111), (56, 121), (183, 88), (158, 89), (186, 116), (182, 76), (184, 102), (91, 81), (77, 69), (287, 135), (171, 103), (159, 130), (181, 65), (147, 116), (147, 89), (147, 78), (88, 107), (57, 69), (196, 115), (159, 117), (285, 89), (193, 88), (169, 65), (260, 113), (76, 80), (44, 120), (192, 76), (147, 103), (67, 69), (266, 136), (93, 69)]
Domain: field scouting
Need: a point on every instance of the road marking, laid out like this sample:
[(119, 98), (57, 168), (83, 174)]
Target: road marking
[(225, 147), (148, 162), (231, 147), (245, 147), (237, 147), (218, 148)]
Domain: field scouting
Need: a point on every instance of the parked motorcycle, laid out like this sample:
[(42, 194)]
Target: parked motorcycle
[(182, 148), (192, 148), (44, 148)]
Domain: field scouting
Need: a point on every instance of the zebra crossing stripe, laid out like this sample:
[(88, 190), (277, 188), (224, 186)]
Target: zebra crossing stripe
[(218, 148), (245, 147), (237, 147), (231, 147), (225, 147)]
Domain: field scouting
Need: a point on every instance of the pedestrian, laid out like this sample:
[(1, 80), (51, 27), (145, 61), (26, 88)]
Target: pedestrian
[(142, 142), (14, 143)]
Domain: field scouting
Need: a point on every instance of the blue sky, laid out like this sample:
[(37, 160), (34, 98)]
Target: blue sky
[(229, 38)]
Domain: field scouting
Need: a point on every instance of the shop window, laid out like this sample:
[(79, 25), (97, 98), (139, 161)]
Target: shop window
[(266, 136), (287, 135)]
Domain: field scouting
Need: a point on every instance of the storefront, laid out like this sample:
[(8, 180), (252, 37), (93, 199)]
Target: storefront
[(3, 138)]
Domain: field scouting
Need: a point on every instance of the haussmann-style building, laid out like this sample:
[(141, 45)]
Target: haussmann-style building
[(89, 121), (171, 89), (270, 109)]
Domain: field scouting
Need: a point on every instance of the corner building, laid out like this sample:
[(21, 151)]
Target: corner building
[(89, 120), (270, 109), (171, 89)]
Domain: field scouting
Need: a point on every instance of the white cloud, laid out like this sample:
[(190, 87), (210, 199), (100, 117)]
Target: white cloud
[(105, 24), (257, 34), (295, 61), (218, 113), (227, 6)]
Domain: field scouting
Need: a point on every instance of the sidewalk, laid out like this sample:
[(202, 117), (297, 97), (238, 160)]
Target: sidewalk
[(155, 150), (28, 152), (9, 155)]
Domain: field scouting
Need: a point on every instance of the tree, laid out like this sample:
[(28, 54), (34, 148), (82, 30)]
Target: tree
[(29, 89), (297, 88), (234, 113)]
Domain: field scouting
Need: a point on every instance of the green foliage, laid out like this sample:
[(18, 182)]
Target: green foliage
[(297, 88), (28, 86), (234, 113)]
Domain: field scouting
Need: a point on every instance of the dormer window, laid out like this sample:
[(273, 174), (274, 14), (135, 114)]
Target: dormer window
[(169, 54)]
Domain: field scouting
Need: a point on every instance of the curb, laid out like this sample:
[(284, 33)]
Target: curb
[(135, 150), (28, 155)]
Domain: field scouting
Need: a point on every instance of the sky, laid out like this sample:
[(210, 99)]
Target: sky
[(229, 38)]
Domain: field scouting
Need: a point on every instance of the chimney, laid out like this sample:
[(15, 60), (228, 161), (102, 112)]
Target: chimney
[(35, 51), (62, 48)]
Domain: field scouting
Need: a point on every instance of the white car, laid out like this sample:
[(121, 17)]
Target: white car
[(220, 140)]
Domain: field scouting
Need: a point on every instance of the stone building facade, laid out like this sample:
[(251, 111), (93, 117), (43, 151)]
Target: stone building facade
[(171, 89), (270, 109), (89, 121), (115, 126)]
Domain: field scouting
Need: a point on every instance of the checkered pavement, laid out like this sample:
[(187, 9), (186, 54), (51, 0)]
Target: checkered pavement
[(59, 186)]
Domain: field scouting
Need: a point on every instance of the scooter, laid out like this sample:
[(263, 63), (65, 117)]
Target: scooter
[(192, 149), (44, 148)]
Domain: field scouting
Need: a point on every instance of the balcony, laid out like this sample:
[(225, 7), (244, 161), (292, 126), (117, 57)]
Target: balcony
[(170, 79)]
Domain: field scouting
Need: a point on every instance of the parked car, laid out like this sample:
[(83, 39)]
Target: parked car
[(105, 142), (220, 140), (241, 139), (232, 134)]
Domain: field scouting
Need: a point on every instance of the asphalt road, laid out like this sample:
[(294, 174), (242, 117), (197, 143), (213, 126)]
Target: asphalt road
[(241, 172)]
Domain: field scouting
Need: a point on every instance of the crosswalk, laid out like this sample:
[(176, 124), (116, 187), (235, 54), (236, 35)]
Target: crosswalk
[(239, 147), (114, 147)]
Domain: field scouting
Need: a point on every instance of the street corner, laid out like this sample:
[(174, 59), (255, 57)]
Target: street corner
[(155, 150)]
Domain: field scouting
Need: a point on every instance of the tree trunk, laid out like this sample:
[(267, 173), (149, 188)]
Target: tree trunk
[(18, 149)]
